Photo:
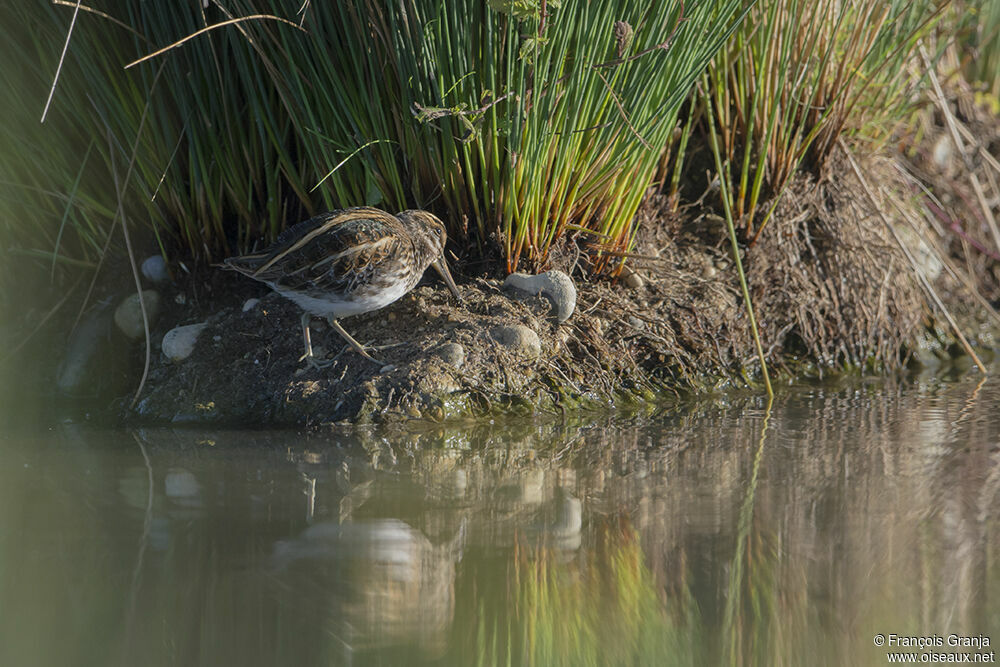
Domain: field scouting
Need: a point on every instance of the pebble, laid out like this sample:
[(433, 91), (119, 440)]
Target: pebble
[(636, 323), (555, 286), (519, 339), (942, 152), (452, 354), (926, 258), (709, 271), (155, 269), (631, 278), (128, 315), (178, 343), (250, 304)]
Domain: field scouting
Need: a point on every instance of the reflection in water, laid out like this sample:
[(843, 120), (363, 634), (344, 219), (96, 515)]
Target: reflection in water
[(693, 536), (379, 581)]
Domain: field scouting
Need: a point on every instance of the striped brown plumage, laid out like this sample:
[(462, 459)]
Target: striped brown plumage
[(349, 262)]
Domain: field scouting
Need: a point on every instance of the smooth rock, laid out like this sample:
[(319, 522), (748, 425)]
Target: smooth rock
[(128, 315), (943, 151), (155, 269), (452, 354), (250, 304), (631, 278), (519, 339), (555, 286), (924, 255), (178, 343)]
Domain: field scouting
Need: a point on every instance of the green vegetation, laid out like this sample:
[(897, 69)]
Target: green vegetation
[(980, 39), (507, 122), (798, 76), (209, 129)]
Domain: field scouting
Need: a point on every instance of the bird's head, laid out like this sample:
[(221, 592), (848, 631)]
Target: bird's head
[(427, 230), (430, 236)]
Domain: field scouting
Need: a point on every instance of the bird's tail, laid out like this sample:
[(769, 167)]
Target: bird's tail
[(245, 264)]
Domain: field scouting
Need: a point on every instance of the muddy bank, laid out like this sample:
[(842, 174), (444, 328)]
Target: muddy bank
[(832, 290)]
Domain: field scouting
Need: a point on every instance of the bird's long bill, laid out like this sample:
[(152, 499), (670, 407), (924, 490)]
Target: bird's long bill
[(442, 268)]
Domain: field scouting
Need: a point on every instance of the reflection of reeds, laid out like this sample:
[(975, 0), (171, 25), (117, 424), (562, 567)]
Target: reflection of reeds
[(608, 611), (871, 510)]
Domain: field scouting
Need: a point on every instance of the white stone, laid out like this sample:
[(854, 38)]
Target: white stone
[(519, 339), (250, 304), (178, 343), (451, 353), (128, 315), (155, 269), (630, 278), (555, 286)]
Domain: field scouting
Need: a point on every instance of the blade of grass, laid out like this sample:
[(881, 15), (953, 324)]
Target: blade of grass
[(730, 224)]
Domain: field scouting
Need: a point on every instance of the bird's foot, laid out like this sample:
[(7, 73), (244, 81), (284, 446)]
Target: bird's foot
[(358, 347), (314, 362)]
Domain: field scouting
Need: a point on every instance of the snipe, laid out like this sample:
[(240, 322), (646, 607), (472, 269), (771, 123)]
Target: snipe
[(349, 262)]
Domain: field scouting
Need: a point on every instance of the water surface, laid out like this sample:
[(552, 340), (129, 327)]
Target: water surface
[(714, 533)]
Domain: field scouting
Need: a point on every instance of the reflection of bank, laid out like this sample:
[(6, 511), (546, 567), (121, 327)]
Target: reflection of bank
[(379, 583)]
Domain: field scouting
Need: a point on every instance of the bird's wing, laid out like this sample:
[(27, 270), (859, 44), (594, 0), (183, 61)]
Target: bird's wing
[(332, 251)]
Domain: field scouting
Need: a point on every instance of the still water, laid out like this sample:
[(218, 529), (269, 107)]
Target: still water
[(718, 532)]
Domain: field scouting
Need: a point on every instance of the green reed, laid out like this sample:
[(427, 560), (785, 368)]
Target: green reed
[(797, 76), (514, 126), (981, 41), (505, 123), (599, 92), (49, 219)]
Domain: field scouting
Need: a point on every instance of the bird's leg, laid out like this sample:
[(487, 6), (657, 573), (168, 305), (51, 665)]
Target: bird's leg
[(355, 344), (309, 357)]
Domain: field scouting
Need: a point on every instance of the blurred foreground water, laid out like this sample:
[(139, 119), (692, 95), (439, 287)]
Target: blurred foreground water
[(714, 533)]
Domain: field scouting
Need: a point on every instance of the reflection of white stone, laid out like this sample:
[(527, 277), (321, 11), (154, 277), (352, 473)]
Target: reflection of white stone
[(385, 579), (181, 487), (533, 486), (569, 521), (461, 483), (133, 486)]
